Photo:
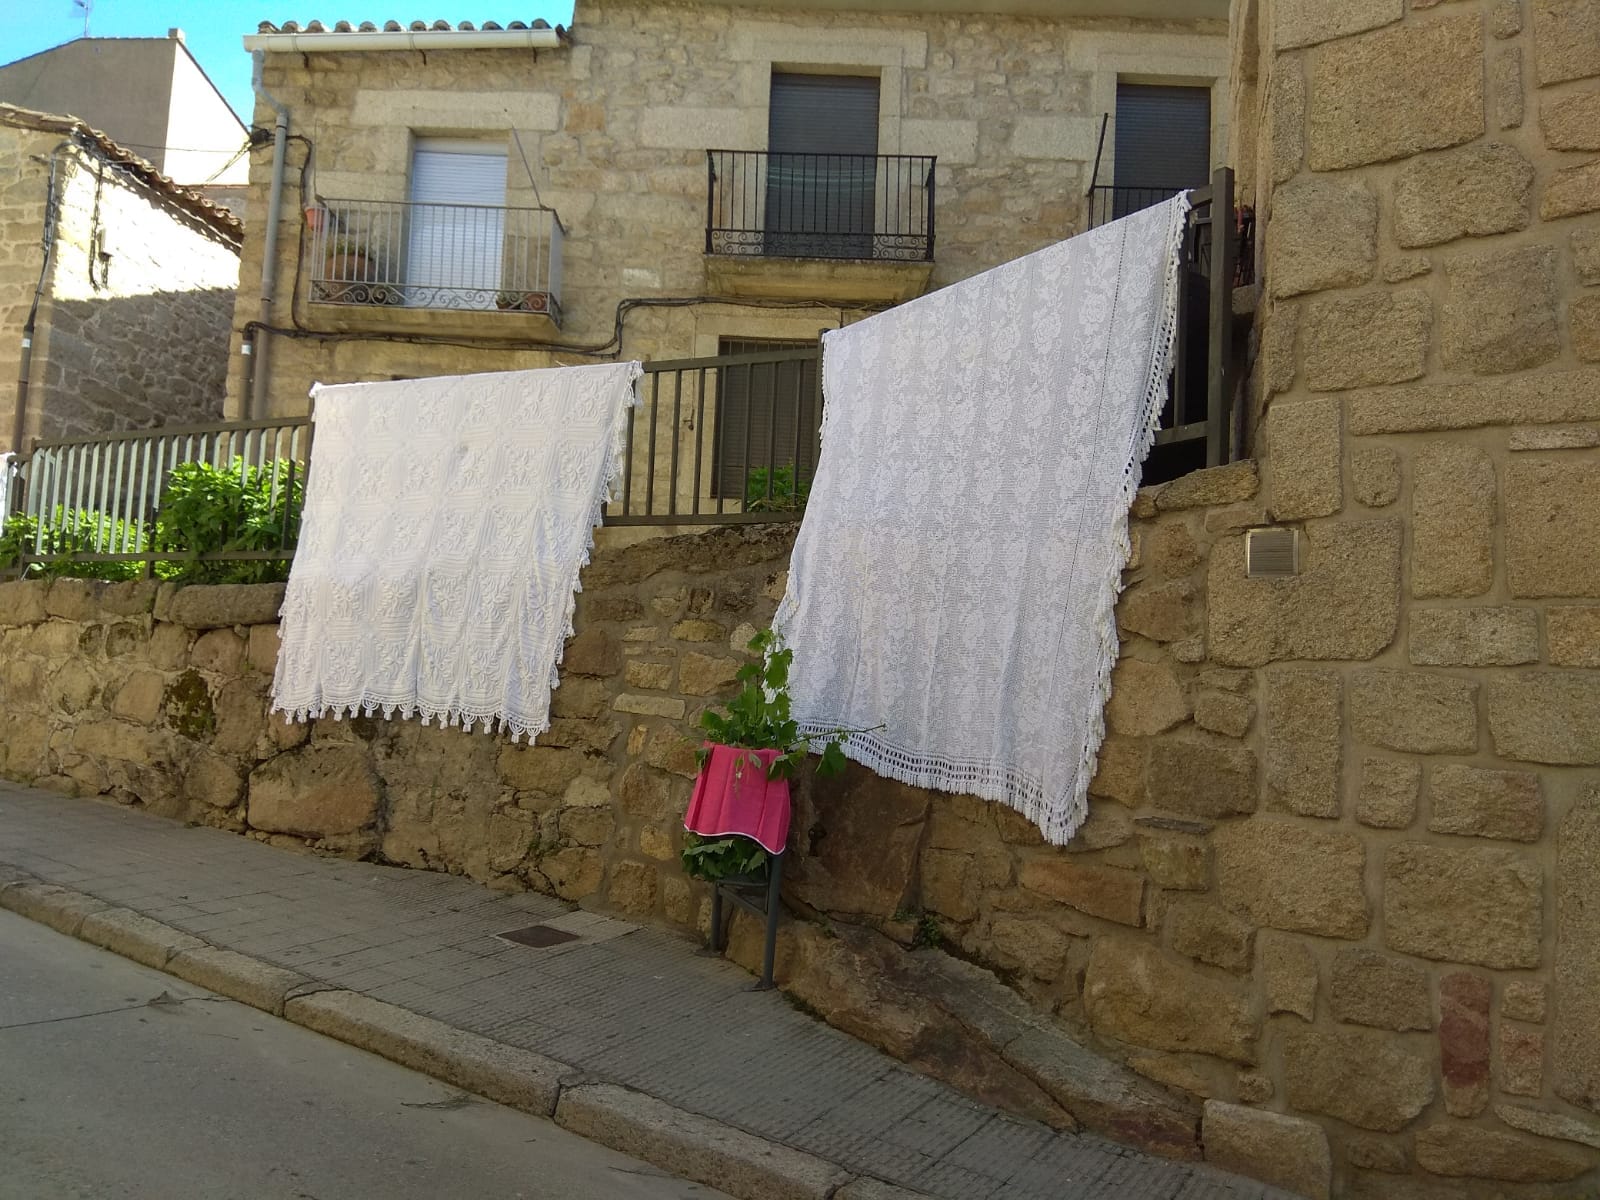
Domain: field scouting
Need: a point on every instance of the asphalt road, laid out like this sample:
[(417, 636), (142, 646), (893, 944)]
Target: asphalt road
[(120, 1083)]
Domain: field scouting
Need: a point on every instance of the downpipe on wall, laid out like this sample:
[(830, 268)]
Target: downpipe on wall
[(255, 343), (47, 243)]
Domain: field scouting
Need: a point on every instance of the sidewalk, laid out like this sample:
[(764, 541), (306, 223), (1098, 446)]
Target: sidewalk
[(731, 1087)]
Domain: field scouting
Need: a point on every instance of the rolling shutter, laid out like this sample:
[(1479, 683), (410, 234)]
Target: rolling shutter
[(457, 232), (1163, 137), (823, 114), (822, 206)]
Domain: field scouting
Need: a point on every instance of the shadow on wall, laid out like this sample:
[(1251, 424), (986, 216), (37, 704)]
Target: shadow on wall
[(131, 362)]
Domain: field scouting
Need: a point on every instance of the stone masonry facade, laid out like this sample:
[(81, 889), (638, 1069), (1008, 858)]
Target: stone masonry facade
[(1305, 898), (615, 128), (132, 331)]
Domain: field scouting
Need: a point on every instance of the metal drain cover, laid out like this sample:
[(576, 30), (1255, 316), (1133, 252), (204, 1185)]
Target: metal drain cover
[(538, 936)]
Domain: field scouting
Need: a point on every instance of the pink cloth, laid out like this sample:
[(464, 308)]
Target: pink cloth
[(734, 795)]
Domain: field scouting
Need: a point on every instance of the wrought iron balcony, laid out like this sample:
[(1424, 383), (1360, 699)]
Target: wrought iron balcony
[(460, 257), (836, 206)]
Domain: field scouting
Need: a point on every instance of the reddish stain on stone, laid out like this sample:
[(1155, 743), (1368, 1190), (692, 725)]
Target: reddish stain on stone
[(1464, 1041)]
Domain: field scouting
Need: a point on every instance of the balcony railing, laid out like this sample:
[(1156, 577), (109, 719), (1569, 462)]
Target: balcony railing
[(450, 256), (720, 440), (1109, 203), (850, 206)]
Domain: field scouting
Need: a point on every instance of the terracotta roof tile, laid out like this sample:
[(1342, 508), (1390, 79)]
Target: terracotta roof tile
[(214, 215)]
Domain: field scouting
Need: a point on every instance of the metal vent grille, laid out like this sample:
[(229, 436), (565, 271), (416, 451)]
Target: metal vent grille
[(1272, 553)]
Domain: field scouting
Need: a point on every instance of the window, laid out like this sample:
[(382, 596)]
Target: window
[(456, 238), (822, 141), (775, 410), (1163, 143)]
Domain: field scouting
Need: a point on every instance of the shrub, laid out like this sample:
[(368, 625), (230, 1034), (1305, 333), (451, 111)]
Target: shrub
[(218, 510)]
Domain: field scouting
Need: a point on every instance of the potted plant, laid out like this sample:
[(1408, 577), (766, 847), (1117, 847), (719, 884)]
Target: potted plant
[(520, 301), (750, 755)]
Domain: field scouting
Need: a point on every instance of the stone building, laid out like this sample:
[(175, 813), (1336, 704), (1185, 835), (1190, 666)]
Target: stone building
[(148, 94), (129, 279), (977, 128)]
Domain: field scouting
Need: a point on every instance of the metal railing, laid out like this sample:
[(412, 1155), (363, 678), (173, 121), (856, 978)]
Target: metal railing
[(1197, 428), (1108, 202), (451, 256), (721, 440), (98, 499), (853, 206), (8, 483)]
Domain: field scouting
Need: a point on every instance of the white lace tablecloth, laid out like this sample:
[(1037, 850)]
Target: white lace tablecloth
[(956, 572), (446, 521)]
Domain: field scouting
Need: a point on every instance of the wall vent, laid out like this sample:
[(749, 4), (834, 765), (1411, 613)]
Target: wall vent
[(1272, 553)]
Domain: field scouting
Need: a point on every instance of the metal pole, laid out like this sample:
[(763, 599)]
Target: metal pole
[(269, 258), (1219, 375)]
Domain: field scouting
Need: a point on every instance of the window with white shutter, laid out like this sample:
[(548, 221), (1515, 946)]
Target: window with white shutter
[(456, 239)]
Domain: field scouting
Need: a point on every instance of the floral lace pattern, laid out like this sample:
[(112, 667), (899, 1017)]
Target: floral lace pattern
[(954, 581), (446, 521)]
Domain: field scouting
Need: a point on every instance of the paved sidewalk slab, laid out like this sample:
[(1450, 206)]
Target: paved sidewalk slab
[(620, 1005)]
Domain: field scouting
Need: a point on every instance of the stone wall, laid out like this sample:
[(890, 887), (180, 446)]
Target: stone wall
[(1429, 210), (1312, 893), (133, 329), (616, 127)]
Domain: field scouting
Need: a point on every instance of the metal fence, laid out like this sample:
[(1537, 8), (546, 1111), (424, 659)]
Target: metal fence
[(1110, 203), (721, 440), (452, 256), (98, 499), (1199, 409), (860, 206)]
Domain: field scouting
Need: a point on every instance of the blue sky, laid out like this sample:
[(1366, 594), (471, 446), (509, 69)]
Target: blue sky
[(213, 28)]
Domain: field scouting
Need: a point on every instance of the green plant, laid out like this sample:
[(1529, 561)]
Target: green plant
[(787, 495), (928, 935), (716, 859), (758, 718), (232, 509), (70, 532)]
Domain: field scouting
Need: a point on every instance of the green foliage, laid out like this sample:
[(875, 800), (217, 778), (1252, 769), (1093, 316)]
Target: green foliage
[(71, 532), (758, 718), (205, 510), (928, 935), (717, 859), (786, 496), (232, 509)]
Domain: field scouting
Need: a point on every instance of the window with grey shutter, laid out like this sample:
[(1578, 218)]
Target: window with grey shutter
[(1163, 143), (772, 409), (822, 168)]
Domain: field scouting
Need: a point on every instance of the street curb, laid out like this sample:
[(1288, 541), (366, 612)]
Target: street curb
[(133, 935), (685, 1143), (517, 1078), (696, 1147), (237, 976)]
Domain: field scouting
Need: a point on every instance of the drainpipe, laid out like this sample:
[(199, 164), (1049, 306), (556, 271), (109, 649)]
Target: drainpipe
[(47, 242), (256, 345)]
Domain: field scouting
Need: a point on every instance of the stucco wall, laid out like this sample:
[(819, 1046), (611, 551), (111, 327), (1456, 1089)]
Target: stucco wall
[(616, 127)]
